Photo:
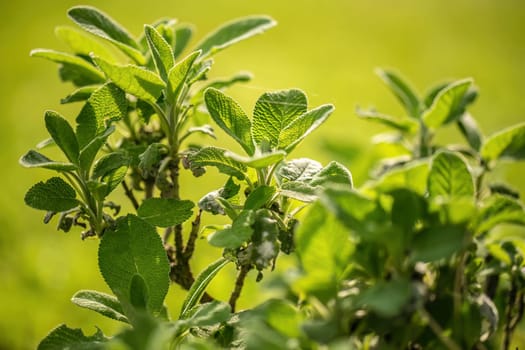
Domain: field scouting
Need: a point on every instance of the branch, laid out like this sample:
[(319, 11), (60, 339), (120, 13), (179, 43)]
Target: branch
[(195, 227), (129, 193), (239, 284), (438, 331)]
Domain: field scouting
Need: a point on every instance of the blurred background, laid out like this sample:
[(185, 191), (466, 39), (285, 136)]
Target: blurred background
[(327, 48)]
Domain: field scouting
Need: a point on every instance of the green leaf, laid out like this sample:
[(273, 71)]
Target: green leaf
[(199, 286), (80, 94), (230, 117), (404, 93), (102, 303), (135, 80), (498, 209), (74, 68), (178, 75), (234, 236), (113, 178), (259, 197), (233, 32), (100, 24), (132, 248), (470, 129), (333, 173), (213, 156), (90, 151), (83, 44), (63, 337), (258, 160), (183, 35), (208, 314), (34, 159), (301, 191), (274, 111), (444, 108), (138, 293), (437, 242), (401, 124), (412, 176), (506, 144), (386, 298), (449, 176), (298, 129), (53, 195), (160, 51), (62, 134), (300, 170), (109, 163), (165, 212), (105, 105)]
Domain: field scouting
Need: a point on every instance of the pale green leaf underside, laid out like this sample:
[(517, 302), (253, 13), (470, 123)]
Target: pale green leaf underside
[(83, 44), (102, 303), (443, 109), (63, 337), (53, 195), (450, 176), (165, 212), (301, 169), (160, 51), (178, 75), (401, 89), (401, 124), (34, 159), (134, 248), (233, 32), (213, 156), (62, 134), (258, 160), (183, 35), (81, 94), (506, 144)]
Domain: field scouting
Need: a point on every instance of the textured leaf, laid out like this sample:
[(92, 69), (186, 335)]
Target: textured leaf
[(178, 75), (100, 24), (183, 35), (102, 303), (274, 111), (506, 144), (34, 159), (165, 212), (259, 197), (83, 44), (199, 286), (470, 129), (135, 248), (234, 236), (450, 176), (84, 72), (386, 298), (208, 314), (301, 170), (109, 163), (412, 176), (80, 94), (401, 124), (213, 156), (297, 130), (53, 195), (435, 243), (299, 190), (404, 93), (63, 337), (444, 108), (63, 135), (108, 103), (333, 173), (135, 80), (258, 160), (498, 209), (233, 32), (160, 51), (90, 151), (230, 117), (113, 178)]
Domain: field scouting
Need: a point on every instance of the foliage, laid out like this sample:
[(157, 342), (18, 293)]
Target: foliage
[(412, 259)]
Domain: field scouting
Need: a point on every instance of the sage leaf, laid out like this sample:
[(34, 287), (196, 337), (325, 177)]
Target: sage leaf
[(80, 94), (413, 176), (178, 75), (165, 212), (301, 191), (183, 36), (135, 80), (82, 43), (450, 176), (445, 105), (100, 24), (402, 124), (234, 236), (62, 134), (499, 209), (160, 51), (470, 129), (401, 89), (259, 197), (64, 337), (301, 170), (233, 32), (437, 242), (74, 68), (213, 156), (106, 104), (208, 314), (230, 117), (506, 144), (258, 160), (109, 163), (333, 173), (53, 195), (132, 248), (102, 303), (34, 159), (90, 151), (386, 298)]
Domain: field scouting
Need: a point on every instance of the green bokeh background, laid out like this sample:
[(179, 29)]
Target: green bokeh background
[(327, 48)]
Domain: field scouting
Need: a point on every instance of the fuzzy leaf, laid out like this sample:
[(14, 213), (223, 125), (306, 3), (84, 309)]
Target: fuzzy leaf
[(74, 68), (34, 159), (108, 103), (230, 117), (333, 173), (81, 94), (109, 163), (132, 248), (498, 209), (506, 144), (102, 303), (90, 151), (258, 160), (82, 43), (183, 35), (213, 156), (470, 129), (401, 124), (386, 298), (234, 236), (62, 134), (444, 108), (53, 195), (178, 75), (135, 80), (160, 51), (450, 176), (100, 24), (63, 337), (412, 176), (299, 190), (165, 212), (233, 32), (274, 111), (404, 93), (298, 129), (208, 314), (259, 197), (301, 170), (435, 243)]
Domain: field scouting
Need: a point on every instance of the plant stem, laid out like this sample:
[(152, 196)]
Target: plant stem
[(239, 284), (438, 331), (131, 196), (511, 301), (190, 244)]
